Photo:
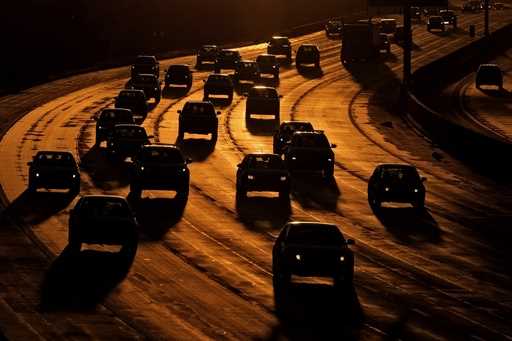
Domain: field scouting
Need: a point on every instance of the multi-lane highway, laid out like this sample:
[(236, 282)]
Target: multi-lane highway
[(205, 272)]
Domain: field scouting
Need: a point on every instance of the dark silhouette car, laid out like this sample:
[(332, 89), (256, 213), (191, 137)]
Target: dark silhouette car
[(262, 100), (218, 85), (449, 17), (247, 72), (227, 60), (145, 65), (489, 74), (149, 84), (262, 172), (178, 75), (284, 134), (160, 167), (53, 170), (310, 152), (268, 65), (312, 249), (280, 46), (396, 183), (435, 22), (102, 219), (307, 55), (126, 140), (198, 117), (384, 44), (107, 119), (333, 28), (134, 100), (208, 54)]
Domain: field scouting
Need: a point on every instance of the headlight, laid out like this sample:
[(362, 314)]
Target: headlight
[(342, 258), (183, 169), (37, 175), (281, 139), (142, 168), (294, 158), (416, 190), (297, 257), (386, 189), (156, 89), (74, 176), (250, 177), (283, 178)]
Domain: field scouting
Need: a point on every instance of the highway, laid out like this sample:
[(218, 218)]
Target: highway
[(204, 272)]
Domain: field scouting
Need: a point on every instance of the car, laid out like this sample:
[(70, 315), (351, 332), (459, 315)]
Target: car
[(333, 28), (388, 25), (449, 17), (416, 13), (384, 45), (307, 54), (472, 6), (126, 140), (149, 84), (160, 167), (262, 100), (107, 119), (53, 170), (134, 100), (280, 46), (310, 151), (396, 183), (268, 65), (489, 74), (262, 172), (218, 85), (198, 117), (312, 249), (178, 75), (247, 72), (435, 22), (208, 54), (227, 60), (283, 135), (102, 219), (146, 65)]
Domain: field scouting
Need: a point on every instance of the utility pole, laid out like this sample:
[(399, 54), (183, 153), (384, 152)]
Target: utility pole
[(486, 17), (407, 44)]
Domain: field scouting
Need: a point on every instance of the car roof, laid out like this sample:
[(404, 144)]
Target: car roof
[(294, 122), (128, 125), (307, 224), (309, 46), (279, 37), (161, 146), (247, 62), (218, 76), (145, 75), (266, 55), (209, 46), (315, 132), (179, 66)]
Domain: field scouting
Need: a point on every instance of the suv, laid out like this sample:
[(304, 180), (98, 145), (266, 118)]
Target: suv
[(262, 172), (311, 152), (134, 100), (283, 136), (247, 71), (126, 140), (160, 167), (309, 249), (489, 74), (102, 219), (146, 65), (149, 84), (333, 28), (449, 17), (178, 75), (227, 59), (53, 169), (217, 84), (268, 65), (396, 183), (307, 54), (198, 118), (207, 53), (262, 100), (280, 46), (107, 119), (435, 22)]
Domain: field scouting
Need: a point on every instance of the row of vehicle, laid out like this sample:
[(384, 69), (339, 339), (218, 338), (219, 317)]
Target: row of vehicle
[(478, 5)]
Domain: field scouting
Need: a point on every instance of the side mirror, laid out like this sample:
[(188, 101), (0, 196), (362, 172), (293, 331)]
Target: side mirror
[(218, 112), (423, 179), (333, 145), (350, 242)]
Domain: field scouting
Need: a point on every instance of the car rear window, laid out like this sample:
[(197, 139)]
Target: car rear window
[(266, 59), (162, 155), (400, 174), (311, 140), (178, 68), (135, 132), (313, 234), (145, 60), (263, 92), (280, 41), (103, 208), (54, 159), (265, 162), (308, 49), (116, 116), (131, 94), (206, 109)]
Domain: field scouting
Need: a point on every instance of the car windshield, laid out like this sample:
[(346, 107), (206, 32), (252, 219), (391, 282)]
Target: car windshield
[(308, 49), (116, 116), (400, 174), (313, 234), (145, 60), (296, 126), (490, 70), (162, 155), (130, 132), (265, 162), (264, 92), (266, 59), (311, 140), (104, 208), (146, 79), (218, 79), (206, 109), (208, 49), (178, 68), (131, 95), (55, 159), (280, 41)]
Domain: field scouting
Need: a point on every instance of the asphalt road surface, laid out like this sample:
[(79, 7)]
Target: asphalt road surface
[(205, 272)]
